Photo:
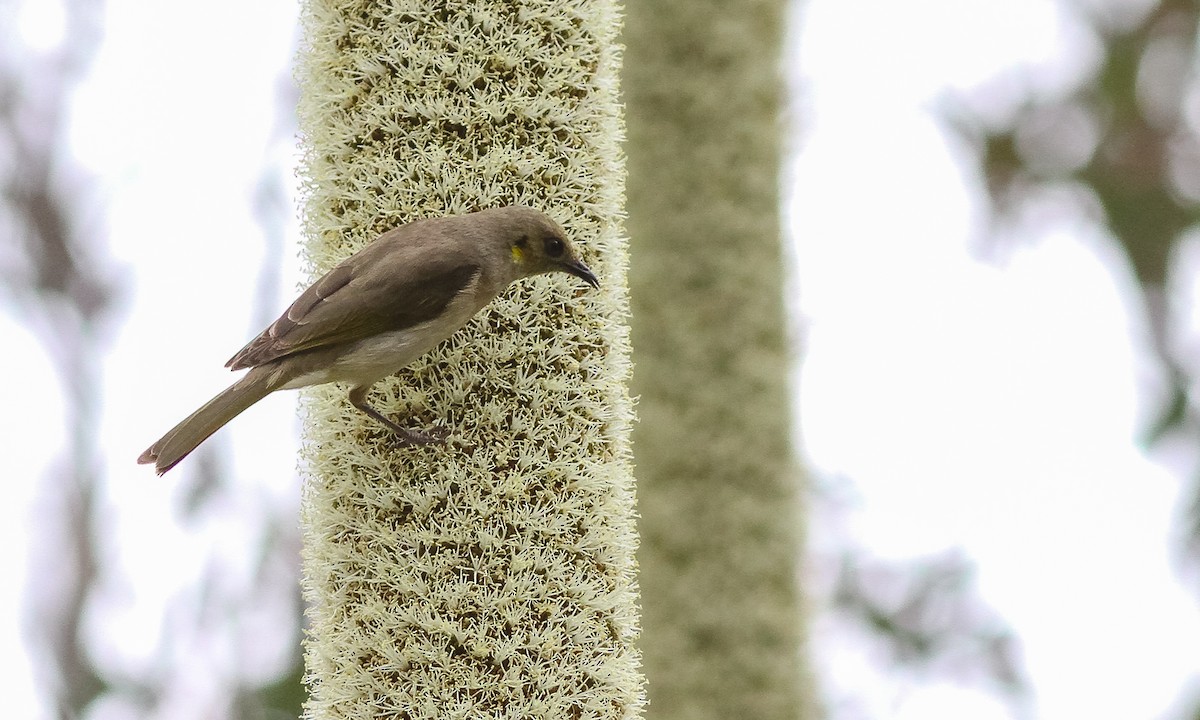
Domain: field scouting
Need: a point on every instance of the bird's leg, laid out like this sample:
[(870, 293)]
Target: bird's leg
[(358, 398)]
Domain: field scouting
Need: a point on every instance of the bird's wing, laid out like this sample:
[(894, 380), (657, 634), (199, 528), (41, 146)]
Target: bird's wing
[(354, 301)]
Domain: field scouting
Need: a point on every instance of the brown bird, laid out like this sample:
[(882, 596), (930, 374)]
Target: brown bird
[(380, 309)]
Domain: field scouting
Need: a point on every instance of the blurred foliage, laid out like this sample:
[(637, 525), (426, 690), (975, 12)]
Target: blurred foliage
[(61, 286), (1124, 135), (1128, 138), (58, 279), (1125, 140), (282, 699)]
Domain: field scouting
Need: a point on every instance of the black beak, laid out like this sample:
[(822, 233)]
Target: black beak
[(578, 269)]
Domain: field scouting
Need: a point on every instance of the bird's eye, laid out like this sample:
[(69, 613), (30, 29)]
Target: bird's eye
[(554, 247)]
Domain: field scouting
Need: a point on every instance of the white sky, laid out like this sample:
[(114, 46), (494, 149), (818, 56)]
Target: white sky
[(983, 405)]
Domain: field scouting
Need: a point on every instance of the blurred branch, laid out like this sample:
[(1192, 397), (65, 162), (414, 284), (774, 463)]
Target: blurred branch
[(924, 614), (59, 284), (927, 612)]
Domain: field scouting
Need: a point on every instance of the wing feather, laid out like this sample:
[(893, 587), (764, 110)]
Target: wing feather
[(362, 297)]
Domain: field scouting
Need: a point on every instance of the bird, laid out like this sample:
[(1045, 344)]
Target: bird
[(379, 310)]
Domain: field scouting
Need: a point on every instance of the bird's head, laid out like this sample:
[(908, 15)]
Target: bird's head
[(539, 245)]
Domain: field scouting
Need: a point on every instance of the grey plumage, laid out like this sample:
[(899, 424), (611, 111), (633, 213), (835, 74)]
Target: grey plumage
[(380, 309)]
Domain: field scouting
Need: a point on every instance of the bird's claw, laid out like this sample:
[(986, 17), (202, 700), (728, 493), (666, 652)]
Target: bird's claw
[(431, 436)]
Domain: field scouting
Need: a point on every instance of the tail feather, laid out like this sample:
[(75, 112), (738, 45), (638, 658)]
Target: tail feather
[(195, 428)]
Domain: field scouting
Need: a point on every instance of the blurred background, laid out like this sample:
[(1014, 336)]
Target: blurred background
[(993, 211)]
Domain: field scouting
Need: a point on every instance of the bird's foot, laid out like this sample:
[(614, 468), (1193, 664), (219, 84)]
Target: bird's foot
[(408, 436)]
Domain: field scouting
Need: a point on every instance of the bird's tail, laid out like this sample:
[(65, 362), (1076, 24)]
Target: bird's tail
[(195, 428)]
